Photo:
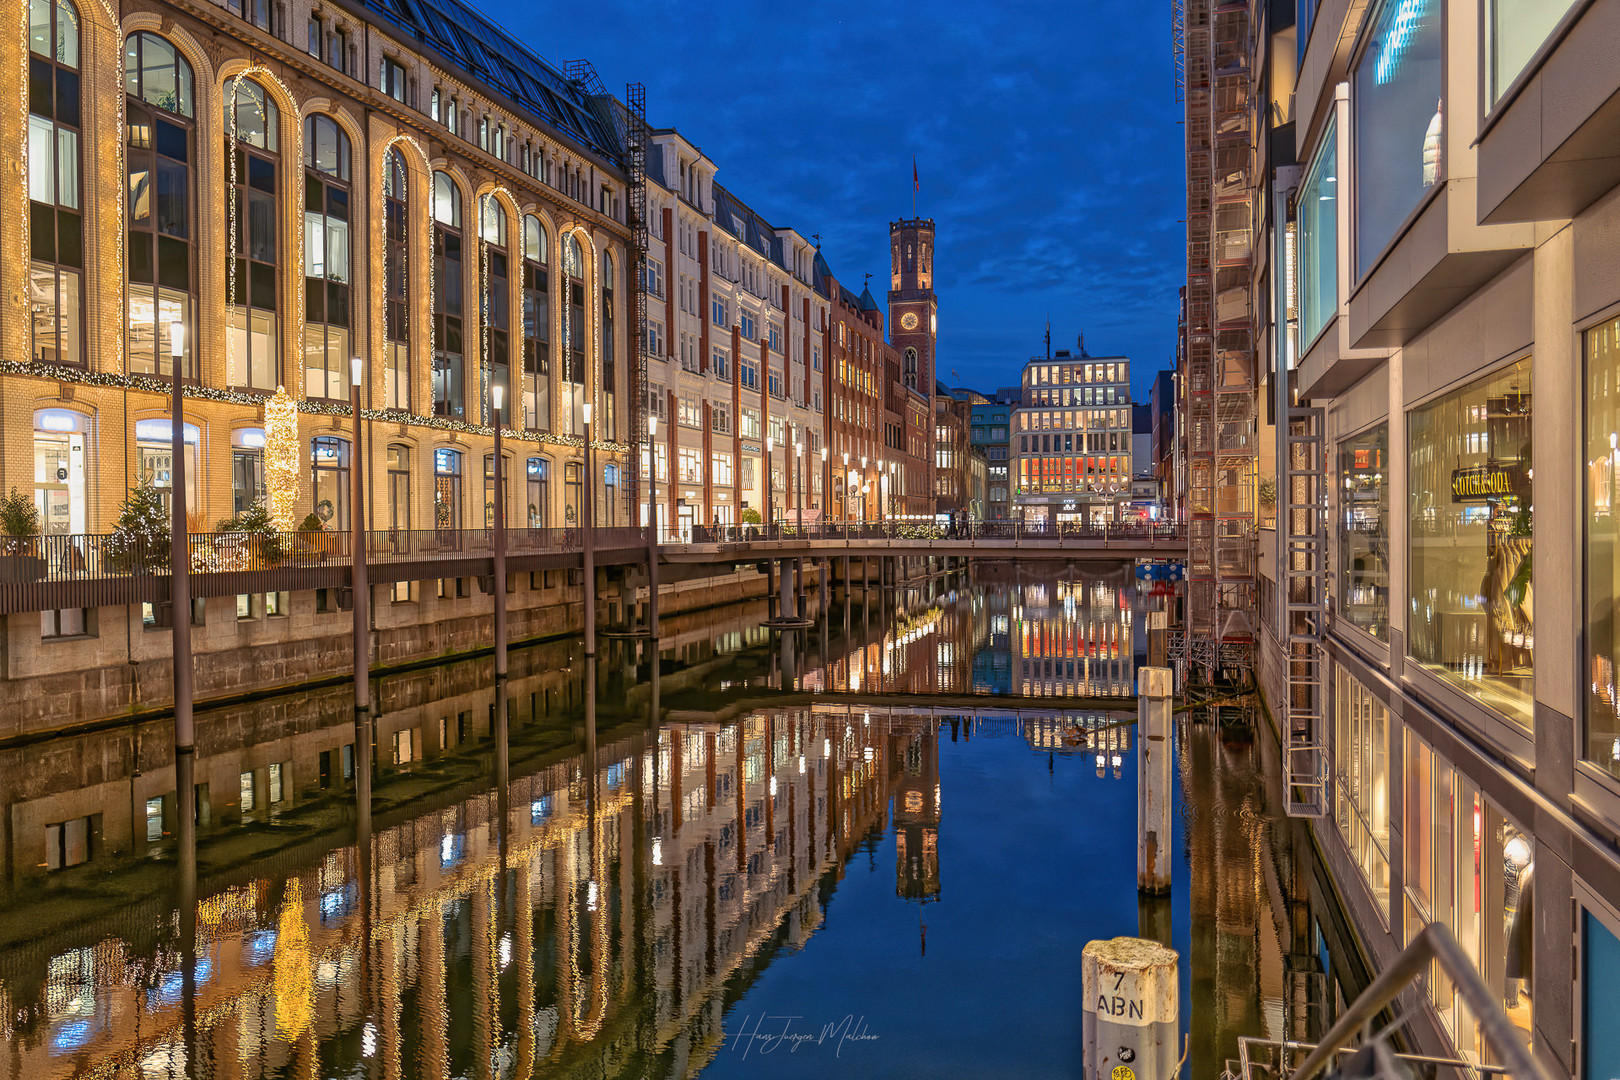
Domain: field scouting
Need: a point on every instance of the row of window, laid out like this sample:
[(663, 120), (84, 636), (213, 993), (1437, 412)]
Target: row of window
[(163, 212)]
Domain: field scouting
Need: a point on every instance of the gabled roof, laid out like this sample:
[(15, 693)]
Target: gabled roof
[(750, 229), (490, 55), (867, 302)]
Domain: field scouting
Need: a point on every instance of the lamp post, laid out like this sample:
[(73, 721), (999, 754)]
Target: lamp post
[(826, 483), (865, 487), (845, 507), (497, 394), (798, 477), (652, 533), (185, 733), (359, 586), (588, 540), (769, 484)]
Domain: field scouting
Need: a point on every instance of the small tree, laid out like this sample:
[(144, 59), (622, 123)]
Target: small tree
[(312, 523), (140, 537), (256, 520), (19, 521), (750, 516)]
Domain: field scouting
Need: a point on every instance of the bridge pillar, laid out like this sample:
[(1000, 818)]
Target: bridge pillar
[(770, 589), (826, 585), (787, 608), (798, 578)]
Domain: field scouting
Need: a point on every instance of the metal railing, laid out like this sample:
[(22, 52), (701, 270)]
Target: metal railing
[(1433, 945)]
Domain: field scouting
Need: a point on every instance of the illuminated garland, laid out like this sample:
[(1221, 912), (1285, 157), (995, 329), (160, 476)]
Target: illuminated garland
[(281, 458)]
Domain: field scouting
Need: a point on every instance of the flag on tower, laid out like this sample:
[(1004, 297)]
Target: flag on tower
[(913, 172)]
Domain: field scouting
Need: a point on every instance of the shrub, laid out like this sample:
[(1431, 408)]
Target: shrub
[(750, 516), (312, 523), (256, 520), (19, 522)]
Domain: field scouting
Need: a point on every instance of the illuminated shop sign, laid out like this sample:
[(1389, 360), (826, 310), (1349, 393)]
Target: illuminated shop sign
[(1482, 482)]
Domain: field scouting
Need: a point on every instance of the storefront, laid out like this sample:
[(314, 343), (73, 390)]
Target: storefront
[(1472, 602), (247, 469), (1363, 593), (1473, 870), (59, 444)]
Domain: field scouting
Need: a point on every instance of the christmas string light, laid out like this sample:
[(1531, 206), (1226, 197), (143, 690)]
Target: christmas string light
[(281, 457)]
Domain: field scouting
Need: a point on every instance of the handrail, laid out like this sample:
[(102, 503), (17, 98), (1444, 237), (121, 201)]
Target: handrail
[(1433, 943)]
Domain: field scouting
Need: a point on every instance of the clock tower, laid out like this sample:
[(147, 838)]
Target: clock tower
[(913, 309)]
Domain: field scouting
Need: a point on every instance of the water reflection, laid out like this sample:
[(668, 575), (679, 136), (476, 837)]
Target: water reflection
[(557, 874)]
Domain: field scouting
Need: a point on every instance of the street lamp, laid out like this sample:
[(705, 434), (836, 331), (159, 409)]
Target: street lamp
[(497, 395), (826, 483), (185, 738), (845, 507), (588, 540), (866, 485), (359, 586), (798, 476), (769, 448), (652, 529)]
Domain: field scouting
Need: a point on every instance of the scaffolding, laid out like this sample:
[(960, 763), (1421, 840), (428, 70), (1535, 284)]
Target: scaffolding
[(1305, 557), (1218, 404), (627, 121)]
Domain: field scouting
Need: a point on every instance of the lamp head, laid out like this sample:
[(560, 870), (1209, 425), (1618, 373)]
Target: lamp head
[(652, 426), (177, 338), (863, 461), (498, 393), (824, 455), (769, 444), (586, 409)]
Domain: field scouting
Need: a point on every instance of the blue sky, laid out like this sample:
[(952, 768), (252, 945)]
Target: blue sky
[(1045, 136)]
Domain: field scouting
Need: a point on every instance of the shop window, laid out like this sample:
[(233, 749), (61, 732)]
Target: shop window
[(1318, 216), (1472, 870), (155, 453), (247, 469), (1601, 745), (1472, 602), (1515, 30), (447, 489), (1397, 90), (1361, 781), (329, 469), (1364, 531), (59, 470), (539, 493)]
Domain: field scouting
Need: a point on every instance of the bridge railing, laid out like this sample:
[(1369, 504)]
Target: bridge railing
[(96, 556)]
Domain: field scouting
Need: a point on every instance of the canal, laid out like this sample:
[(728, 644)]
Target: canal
[(874, 849)]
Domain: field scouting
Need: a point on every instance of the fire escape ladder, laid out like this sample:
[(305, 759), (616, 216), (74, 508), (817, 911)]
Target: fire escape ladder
[(635, 167), (1305, 582)]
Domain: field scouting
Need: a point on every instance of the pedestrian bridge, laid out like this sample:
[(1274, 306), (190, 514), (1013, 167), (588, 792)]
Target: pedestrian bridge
[(45, 573)]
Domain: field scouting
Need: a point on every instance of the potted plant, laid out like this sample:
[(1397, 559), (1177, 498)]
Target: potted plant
[(19, 528), (315, 536), (262, 543)]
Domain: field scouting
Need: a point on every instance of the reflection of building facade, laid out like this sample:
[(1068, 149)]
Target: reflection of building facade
[(1105, 738), (989, 435), (1070, 444), (914, 789), (1074, 638)]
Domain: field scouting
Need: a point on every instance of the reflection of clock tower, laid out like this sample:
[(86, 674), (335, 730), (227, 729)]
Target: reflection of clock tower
[(913, 309)]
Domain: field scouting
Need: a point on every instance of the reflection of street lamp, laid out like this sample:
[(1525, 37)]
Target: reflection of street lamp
[(866, 486), (180, 590), (826, 482), (497, 394), (845, 507), (798, 476)]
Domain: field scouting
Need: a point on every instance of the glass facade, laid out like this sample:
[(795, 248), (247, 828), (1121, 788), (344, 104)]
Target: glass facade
[(1602, 454), (1472, 605), (1516, 29), (1473, 871), (1364, 531), (1397, 91), (1361, 781), (1318, 216)]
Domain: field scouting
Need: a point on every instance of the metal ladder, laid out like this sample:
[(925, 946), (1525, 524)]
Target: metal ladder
[(1305, 750)]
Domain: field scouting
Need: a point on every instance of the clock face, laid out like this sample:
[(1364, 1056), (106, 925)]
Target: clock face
[(908, 321)]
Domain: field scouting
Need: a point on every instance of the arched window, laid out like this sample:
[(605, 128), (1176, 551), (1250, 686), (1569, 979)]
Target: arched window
[(447, 298), (329, 466), (55, 227), (399, 487), (536, 328), (574, 330), (539, 493), (396, 285), (610, 416), (447, 488), (253, 123), (327, 259), (489, 489), (162, 238), (571, 493), (911, 368), (496, 369)]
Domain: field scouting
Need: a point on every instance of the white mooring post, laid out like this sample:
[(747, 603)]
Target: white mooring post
[(1153, 685), (1131, 996)]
